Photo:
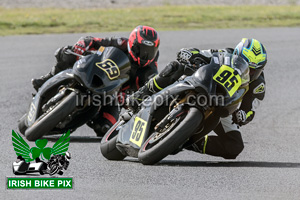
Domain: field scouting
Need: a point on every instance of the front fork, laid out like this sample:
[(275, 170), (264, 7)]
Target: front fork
[(177, 111)]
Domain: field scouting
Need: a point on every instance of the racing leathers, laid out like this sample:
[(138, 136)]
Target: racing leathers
[(108, 115), (228, 143)]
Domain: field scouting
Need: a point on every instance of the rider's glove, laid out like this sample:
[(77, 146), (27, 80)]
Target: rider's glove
[(187, 56), (239, 117), (191, 56), (80, 47)]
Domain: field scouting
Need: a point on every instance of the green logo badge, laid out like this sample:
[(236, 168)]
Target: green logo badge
[(47, 160)]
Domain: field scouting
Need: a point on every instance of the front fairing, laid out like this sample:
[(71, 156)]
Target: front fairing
[(133, 134), (57, 80), (223, 85), (104, 73), (218, 80)]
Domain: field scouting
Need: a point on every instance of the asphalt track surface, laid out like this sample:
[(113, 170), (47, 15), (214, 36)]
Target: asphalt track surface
[(268, 168)]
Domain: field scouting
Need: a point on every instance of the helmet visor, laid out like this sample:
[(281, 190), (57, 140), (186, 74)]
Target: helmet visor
[(146, 52), (239, 64)]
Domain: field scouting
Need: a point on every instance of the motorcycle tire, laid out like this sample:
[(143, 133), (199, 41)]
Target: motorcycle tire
[(108, 145), (46, 123), (53, 170), (21, 124), (172, 139)]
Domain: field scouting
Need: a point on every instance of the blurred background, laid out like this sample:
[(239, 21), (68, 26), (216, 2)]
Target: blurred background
[(77, 16), (133, 3)]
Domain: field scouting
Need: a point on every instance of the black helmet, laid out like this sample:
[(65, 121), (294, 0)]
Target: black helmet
[(68, 155), (254, 53), (143, 45)]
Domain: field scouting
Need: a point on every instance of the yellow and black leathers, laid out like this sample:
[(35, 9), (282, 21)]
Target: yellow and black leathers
[(228, 143)]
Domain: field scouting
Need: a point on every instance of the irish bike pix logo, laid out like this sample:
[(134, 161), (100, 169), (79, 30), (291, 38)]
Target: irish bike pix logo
[(40, 160)]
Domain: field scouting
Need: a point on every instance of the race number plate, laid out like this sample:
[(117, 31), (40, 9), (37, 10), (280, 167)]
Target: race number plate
[(31, 112), (229, 79), (110, 68), (138, 131)]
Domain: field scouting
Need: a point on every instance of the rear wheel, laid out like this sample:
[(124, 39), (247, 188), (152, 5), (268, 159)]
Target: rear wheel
[(46, 122), (108, 144), (161, 144)]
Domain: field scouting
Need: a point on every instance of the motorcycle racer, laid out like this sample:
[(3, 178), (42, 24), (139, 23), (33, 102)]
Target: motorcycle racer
[(142, 50), (228, 143), (58, 163)]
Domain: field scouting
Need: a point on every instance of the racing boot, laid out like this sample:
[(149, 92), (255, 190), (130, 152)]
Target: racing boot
[(147, 90), (99, 125), (196, 146), (100, 130), (136, 98), (58, 67), (104, 119), (63, 61), (38, 82)]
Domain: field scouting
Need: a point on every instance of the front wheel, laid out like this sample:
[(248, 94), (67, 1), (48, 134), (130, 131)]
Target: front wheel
[(48, 121), (21, 124), (108, 144), (53, 169), (161, 144)]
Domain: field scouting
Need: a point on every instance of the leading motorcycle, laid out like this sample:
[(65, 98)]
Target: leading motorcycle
[(168, 119)]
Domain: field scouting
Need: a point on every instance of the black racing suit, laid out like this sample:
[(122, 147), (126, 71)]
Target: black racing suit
[(108, 115), (228, 143)]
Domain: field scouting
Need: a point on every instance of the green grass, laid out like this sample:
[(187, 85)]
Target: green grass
[(53, 20)]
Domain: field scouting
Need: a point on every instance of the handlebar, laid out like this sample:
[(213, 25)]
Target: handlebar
[(69, 51)]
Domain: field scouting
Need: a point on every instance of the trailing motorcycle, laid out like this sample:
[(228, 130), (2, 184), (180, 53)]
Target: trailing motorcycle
[(74, 96), (168, 119)]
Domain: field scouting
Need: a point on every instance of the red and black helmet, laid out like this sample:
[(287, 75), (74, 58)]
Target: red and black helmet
[(143, 45)]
